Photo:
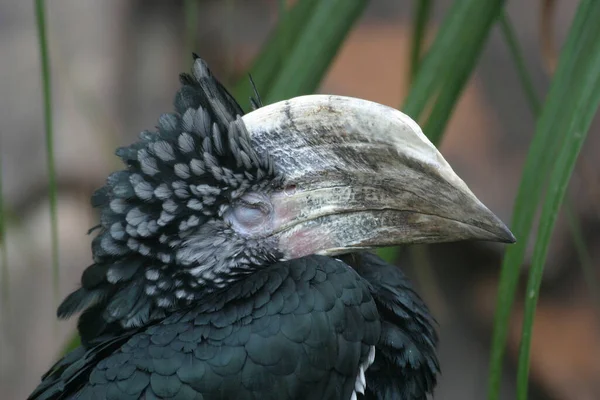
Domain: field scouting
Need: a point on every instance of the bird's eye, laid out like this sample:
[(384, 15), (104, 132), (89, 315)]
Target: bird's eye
[(250, 214)]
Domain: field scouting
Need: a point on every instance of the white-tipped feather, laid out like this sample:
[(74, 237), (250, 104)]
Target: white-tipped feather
[(360, 384)]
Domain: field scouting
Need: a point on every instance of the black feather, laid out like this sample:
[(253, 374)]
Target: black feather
[(79, 300), (406, 364), (94, 275)]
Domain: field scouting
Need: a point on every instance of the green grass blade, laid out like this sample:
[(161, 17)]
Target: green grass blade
[(465, 59), (283, 42), (47, 90), (451, 91), (583, 98), (462, 34), (422, 15), (191, 12), (271, 58), (282, 7), (389, 254), (230, 48), (4, 275), (71, 344), (537, 166), (307, 62), (515, 50), (585, 258), (583, 253)]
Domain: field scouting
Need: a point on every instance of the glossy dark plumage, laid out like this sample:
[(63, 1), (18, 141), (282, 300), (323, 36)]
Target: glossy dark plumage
[(248, 327), (406, 364), (268, 337)]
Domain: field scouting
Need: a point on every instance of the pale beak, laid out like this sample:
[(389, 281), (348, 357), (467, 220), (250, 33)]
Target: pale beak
[(361, 175)]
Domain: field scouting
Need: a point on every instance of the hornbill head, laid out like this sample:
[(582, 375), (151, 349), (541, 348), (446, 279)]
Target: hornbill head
[(212, 195)]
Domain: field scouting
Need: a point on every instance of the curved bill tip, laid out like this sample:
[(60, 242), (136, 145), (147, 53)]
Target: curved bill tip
[(497, 231), (490, 227), (504, 234)]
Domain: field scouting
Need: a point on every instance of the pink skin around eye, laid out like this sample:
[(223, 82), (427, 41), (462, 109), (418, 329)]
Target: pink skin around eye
[(296, 241), (305, 241), (285, 209)]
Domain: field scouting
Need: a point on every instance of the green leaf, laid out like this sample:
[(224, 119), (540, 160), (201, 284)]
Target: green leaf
[(191, 12), (311, 30), (4, 277), (47, 90), (422, 15), (570, 127), (583, 253), (515, 50), (569, 87), (72, 344), (454, 52), (282, 7), (269, 62), (448, 98), (306, 63)]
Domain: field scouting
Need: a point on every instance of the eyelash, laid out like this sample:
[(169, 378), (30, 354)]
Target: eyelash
[(257, 206)]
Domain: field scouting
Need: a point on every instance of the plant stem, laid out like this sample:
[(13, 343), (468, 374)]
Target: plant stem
[(47, 93), (535, 105), (3, 246), (190, 9), (510, 37), (423, 13)]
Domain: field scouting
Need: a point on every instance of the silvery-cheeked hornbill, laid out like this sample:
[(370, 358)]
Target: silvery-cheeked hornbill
[(230, 257)]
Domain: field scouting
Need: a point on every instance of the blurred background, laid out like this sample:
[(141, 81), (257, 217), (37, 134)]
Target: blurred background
[(115, 66)]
